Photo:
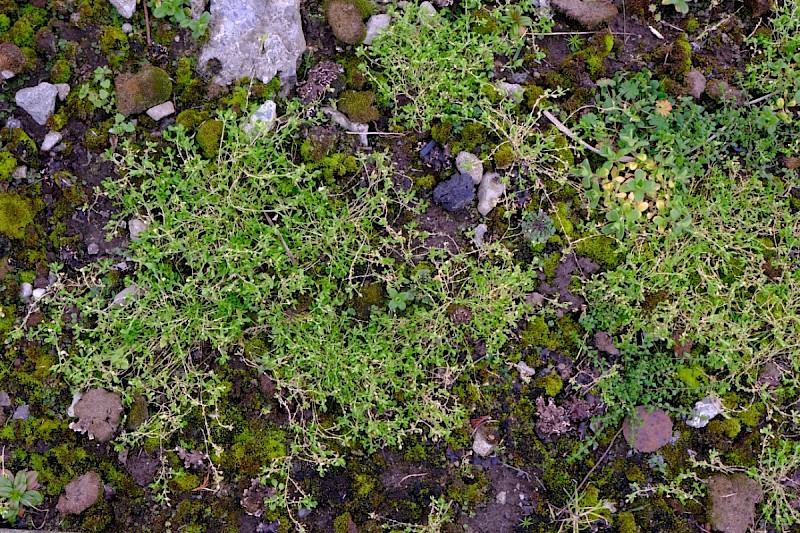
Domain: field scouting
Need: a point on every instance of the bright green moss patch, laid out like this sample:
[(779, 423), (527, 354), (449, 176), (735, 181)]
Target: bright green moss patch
[(359, 106), (8, 163), (15, 215), (551, 383), (209, 135)]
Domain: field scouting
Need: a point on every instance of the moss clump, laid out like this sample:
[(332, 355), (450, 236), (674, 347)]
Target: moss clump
[(600, 249), (19, 143), (442, 133), (5, 23), (532, 95), (15, 215), (60, 72), (680, 58), (359, 106), (472, 136), (627, 523), (8, 163), (114, 44), (537, 333), (209, 135), (190, 119), (752, 416), (252, 450), (21, 33), (559, 484), (503, 156), (346, 19), (730, 427), (337, 165), (561, 220), (183, 481), (341, 523), (693, 376), (551, 383), (96, 139), (424, 183)]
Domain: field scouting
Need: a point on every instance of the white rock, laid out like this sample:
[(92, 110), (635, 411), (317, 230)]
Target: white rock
[(12, 123), (26, 290), (161, 110), (125, 7), (480, 233), (126, 28), (50, 140), (513, 90), (263, 119), (63, 90), (501, 497), (704, 411), (483, 442), (468, 163), (136, 227), (39, 101), (490, 192), (20, 173), (128, 294), (342, 121), (254, 38), (375, 25), (7, 74), (38, 294)]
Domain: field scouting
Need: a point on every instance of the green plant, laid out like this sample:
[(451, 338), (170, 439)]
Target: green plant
[(583, 511), (574, 43), (99, 91), (179, 12), (18, 492), (537, 228), (681, 6)]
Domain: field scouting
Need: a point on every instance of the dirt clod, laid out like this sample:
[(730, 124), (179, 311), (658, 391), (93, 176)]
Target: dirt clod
[(80, 494), (647, 431), (733, 502), (98, 413)]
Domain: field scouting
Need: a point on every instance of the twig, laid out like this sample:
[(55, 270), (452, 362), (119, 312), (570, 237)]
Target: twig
[(569, 133), (387, 133), (423, 474), (556, 33), (602, 458), (146, 21), (285, 246)]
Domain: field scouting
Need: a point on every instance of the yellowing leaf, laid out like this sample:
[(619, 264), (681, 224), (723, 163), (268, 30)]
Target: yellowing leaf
[(663, 107)]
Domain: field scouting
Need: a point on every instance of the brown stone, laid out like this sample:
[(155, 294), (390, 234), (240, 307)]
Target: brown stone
[(589, 15), (141, 91), (80, 494), (733, 502), (98, 413), (647, 431), (11, 58)]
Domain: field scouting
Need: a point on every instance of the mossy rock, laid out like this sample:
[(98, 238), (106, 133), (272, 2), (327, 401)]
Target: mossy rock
[(209, 135), (15, 215), (346, 21), (139, 92), (359, 106)]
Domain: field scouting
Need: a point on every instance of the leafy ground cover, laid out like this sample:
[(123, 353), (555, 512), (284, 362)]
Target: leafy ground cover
[(283, 331)]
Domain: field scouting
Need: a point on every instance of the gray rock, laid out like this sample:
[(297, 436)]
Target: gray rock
[(514, 91), (704, 411), (128, 294), (126, 28), (136, 227), (426, 12), (375, 25), (12, 123), (26, 290), (468, 163), (696, 83), (63, 90), (342, 121), (5, 401), (39, 102), (23, 412), (490, 192), (254, 38), (456, 193), (483, 442), (50, 140), (93, 249), (161, 110), (480, 233), (20, 173), (264, 117), (124, 7), (38, 294)]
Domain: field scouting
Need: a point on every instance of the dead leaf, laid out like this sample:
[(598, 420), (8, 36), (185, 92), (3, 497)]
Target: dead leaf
[(663, 107)]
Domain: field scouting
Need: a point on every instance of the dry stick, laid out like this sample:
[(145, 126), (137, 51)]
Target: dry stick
[(146, 21), (285, 246), (602, 458), (569, 133)]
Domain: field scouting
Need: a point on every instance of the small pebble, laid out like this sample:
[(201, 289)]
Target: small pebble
[(126, 28), (21, 172), (5, 401), (136, 227), (12, 123), (161, 110), (26, 290), (63, 90), (303, 513), (23, 412), (480, 233), (38, 294), (50, 140), (93, 249)]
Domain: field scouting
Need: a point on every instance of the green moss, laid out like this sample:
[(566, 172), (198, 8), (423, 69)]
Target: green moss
[(183, 71), (537, 333), (730, 427), (442, 133), (424, 183), (21, 33), (550, 264), (491, 93), (627, 523), (341, 524), (15, 215), (533, 94), (359, 106), (503, 156), (8, 163), (752, 416), (558, 482), (19, 143), (209, 135), (138, 413), (183, 481), (354, 76), (60, 72), (96, 139), (114, 44), (338, 165), (190, 119), (680, 58), (252, 450), (551, 383), (472, 136), (600, 249), (5, 23), (693, 377), (561, 220)]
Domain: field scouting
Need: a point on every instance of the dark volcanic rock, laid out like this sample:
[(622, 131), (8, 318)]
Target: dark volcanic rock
[(455, 193)]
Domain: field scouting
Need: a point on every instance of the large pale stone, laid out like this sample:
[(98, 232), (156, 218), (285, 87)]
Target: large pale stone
[(255, 38), (39, 101)]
